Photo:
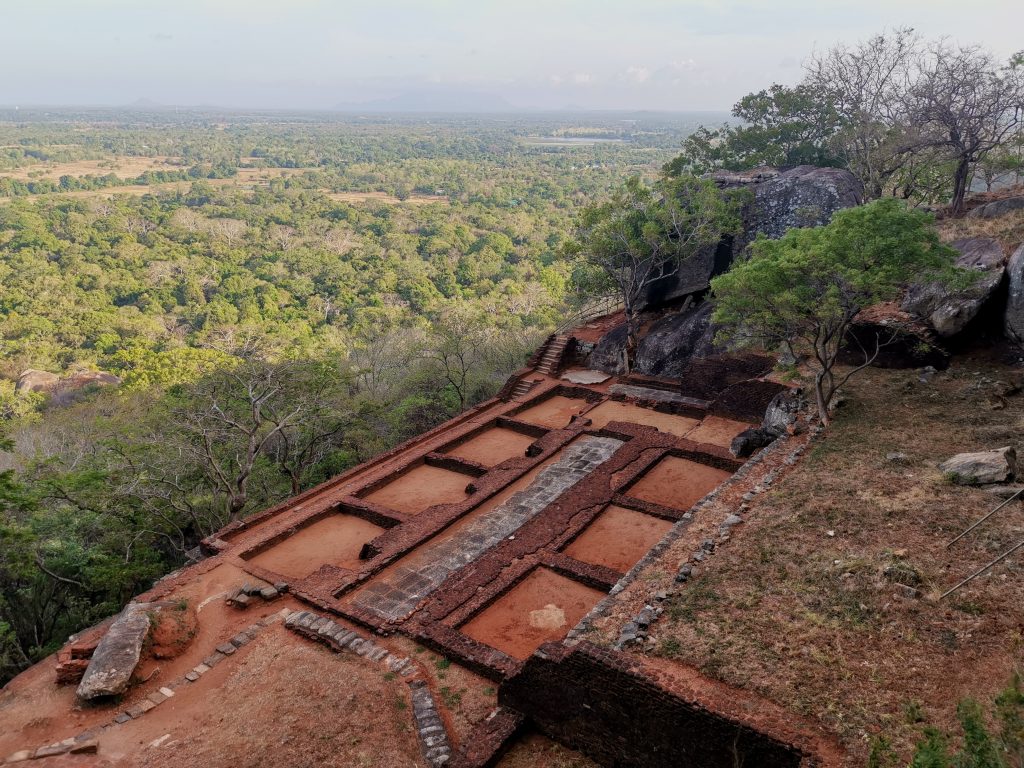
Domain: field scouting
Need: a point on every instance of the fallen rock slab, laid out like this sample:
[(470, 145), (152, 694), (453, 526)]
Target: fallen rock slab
[(982, 467), (117, 654)]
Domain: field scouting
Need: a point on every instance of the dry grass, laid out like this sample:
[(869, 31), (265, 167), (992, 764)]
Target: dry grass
[(1008, 229), (816, 620), (125, 167)]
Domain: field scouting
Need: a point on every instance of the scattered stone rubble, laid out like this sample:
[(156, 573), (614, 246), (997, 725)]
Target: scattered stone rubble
[(242, 597), (87, 741)]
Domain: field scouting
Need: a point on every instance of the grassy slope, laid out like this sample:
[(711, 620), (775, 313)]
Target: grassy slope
[(809, 619)]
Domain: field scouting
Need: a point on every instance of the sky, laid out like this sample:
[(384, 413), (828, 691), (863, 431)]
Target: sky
[(668, 55)]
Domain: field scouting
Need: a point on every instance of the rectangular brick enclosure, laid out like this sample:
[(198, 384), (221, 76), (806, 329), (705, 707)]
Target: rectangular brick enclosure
[(336, 540), (618, 538), (501, 529), (542, 607)]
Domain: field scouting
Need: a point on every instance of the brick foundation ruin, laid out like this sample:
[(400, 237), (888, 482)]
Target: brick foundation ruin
[(495, 534)]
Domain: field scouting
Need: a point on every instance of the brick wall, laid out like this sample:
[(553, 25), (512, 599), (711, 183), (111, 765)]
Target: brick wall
[(597, 702)]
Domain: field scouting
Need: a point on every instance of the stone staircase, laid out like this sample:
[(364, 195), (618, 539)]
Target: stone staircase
[(522, 387), (551, 360)]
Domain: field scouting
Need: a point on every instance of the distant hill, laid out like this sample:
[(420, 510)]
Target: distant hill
[(433, 101)]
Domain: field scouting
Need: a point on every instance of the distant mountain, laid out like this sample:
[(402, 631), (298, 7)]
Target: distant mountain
[(433, 101)]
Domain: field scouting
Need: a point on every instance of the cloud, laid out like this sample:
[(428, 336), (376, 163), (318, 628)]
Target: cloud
[(637, 74)]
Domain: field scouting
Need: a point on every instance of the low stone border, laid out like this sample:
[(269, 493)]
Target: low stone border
[(429, 727), (86, 742)]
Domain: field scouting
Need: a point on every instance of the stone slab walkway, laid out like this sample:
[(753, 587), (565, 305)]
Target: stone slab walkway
[(395, 595)]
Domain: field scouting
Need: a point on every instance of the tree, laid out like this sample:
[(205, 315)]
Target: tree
[(781, 126), (805, 289), (868, 86), (644, 234), (968, 106)]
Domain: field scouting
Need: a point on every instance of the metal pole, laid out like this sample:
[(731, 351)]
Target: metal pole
[(986, 517), (981, 570)]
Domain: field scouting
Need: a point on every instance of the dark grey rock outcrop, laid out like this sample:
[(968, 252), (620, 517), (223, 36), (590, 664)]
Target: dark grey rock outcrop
[(1013, 321), (804, 196), (671, 342), (607, 354), (997, 208), (947, 310)]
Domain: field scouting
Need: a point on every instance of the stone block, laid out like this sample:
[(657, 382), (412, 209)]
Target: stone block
[(226, 648), (19, 757), (117, 654), (157, 698)]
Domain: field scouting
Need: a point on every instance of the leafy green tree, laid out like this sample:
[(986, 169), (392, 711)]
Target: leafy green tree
[(644, 234), (780, 126), (805, 289)]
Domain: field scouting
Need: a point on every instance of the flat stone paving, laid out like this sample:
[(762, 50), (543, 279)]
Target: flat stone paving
[(395, 594)]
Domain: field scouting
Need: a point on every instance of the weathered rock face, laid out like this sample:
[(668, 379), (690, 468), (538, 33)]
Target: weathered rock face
[(981, 468), (949, 311), (805, 196), (782, 412), (607, 353), (1013, 322), (117, 654), (997, 208), (672, 341), (32, 380)]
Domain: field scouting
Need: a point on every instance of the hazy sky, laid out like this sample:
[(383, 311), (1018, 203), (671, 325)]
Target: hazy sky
[(603, 54)]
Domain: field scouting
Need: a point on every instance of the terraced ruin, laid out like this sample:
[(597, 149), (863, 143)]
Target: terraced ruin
[(489, 540)]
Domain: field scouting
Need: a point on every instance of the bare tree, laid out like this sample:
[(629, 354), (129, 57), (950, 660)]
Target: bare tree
[(967, 105), (868, 85), (458, 346)]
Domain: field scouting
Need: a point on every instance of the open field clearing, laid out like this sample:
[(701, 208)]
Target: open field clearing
[(125, 167)]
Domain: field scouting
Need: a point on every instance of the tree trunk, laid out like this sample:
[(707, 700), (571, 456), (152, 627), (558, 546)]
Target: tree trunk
[(631, 341), (963, 168), (819, 394)]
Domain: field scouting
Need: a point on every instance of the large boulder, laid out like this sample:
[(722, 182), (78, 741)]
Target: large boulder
[(997, 208), (947, 310), (671, 342), (804, 196), (1013, 320), (31, 380), (115, 658), (608, 353), (982, 467)]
